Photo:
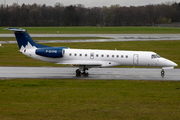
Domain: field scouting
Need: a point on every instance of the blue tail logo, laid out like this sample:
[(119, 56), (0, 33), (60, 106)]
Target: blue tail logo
[(24, 40)]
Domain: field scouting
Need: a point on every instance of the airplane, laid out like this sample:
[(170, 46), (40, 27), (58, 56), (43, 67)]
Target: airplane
[(87, 58)]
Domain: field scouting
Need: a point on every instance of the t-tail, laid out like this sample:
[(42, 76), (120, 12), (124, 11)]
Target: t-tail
[(28, 47), (24, 40)]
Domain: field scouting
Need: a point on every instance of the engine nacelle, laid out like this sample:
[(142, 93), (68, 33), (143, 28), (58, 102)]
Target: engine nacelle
[(53, 52)]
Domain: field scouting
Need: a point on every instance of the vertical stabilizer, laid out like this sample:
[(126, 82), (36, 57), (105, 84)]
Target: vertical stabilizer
[(24, 40)]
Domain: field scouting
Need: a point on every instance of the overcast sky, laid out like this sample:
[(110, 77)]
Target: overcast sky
[(90, 3)]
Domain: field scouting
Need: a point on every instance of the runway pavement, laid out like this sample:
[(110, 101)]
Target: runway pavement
[(94, 73), (111, 37)]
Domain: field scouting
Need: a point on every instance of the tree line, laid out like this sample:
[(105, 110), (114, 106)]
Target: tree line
[(79, 15)]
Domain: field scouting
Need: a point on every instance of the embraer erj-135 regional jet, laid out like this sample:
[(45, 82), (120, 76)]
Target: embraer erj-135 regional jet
[(85, 58)]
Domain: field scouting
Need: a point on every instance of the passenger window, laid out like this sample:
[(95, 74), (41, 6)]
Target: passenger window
[(112, 55), (117, 56), (80, 54), (86, 55), (121, 56), (75, 54), (107, 55), (70, 54), (102, 55), (126, 56), (96, 55)]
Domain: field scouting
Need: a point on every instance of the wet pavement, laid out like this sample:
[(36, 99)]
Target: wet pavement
[(110, 37), (94, 73)]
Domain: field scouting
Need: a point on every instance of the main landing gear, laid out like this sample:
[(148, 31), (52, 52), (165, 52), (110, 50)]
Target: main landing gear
[(162, 73), (82, 71)]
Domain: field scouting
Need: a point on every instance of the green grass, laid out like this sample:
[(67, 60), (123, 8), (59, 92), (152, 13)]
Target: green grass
[(98, 30), (27, 99), (169, 49)]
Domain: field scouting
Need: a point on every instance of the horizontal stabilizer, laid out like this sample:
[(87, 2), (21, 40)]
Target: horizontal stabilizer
[(16, 29)]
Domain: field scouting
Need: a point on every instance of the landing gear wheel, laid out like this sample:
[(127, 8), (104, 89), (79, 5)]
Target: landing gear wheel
[(78, 72), (82, 71), (85, 73), (162, 73)]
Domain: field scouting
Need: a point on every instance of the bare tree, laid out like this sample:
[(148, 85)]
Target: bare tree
[(79, 15)]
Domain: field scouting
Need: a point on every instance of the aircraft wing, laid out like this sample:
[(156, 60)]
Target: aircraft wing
[(89, 63), (82, 62)]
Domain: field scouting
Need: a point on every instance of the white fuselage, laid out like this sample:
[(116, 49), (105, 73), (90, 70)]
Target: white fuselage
[(104, 58)]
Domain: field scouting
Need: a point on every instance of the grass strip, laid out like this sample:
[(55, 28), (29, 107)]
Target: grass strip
[(29, 99), (97, 30)]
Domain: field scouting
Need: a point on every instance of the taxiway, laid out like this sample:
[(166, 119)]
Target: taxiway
[(110, 37), (94, 73)]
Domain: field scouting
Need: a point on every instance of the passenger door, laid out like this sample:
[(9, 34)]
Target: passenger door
[(136, 59)]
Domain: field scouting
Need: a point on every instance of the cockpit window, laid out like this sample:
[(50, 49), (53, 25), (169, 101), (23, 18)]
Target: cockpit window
[(158, 56), (155, 56)]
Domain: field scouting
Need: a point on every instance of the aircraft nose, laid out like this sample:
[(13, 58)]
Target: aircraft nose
[(171, 63), (175, 64), (167, 63)]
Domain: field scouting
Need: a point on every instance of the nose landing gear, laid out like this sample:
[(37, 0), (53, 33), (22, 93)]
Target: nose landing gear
[(162, 73)]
